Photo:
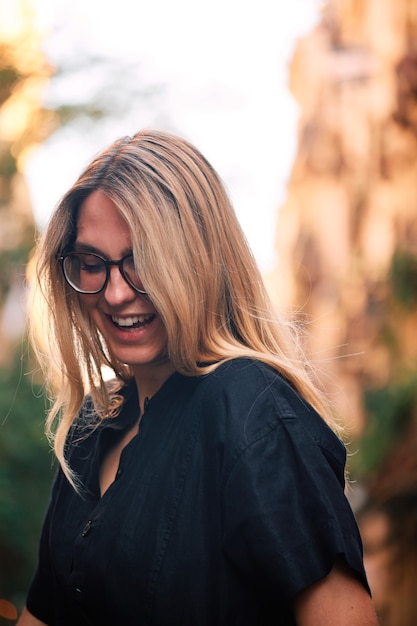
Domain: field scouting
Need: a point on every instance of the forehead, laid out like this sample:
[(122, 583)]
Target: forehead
[(100, 224)]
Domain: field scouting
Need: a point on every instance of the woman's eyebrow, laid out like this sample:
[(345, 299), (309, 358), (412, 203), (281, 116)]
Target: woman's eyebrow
[(85, 247)]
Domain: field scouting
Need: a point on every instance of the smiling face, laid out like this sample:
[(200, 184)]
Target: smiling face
[(129, 323)]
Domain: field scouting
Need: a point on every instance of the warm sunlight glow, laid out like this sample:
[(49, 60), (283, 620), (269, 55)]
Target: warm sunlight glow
[(14, 117), (11, 17)]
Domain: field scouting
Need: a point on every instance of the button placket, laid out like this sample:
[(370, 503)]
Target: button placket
[(87, 528)]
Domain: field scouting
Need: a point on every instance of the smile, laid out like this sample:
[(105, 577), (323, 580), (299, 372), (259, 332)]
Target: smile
[(135, 321)]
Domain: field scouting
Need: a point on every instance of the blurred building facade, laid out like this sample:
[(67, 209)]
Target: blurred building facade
[(24, 74), (347, 233)]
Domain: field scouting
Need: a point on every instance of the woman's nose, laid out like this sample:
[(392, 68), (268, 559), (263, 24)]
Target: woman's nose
[(117, 289)]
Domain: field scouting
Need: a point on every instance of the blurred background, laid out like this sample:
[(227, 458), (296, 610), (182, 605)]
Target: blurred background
[(309, 112)]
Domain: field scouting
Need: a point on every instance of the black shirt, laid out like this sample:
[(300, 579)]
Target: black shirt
[(228, 502)]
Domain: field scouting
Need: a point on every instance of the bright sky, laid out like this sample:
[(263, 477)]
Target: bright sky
[(222, 71)]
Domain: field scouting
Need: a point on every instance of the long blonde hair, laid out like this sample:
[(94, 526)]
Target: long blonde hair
[(194, 262)]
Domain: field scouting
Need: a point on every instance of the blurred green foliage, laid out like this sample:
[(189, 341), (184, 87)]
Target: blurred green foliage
[(403, 278), (12, 260), (10, 76), (26, 473), (389, 410)]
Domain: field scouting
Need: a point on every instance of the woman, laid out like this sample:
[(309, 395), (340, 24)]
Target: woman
[(199, 486)]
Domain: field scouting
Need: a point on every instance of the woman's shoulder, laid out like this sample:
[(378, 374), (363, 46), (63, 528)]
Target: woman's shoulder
[(255, 397), (244, 391), (243, 369), (250, 380)]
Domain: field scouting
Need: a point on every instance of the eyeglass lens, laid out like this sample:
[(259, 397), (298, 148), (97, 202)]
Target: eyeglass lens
[(88, 272)]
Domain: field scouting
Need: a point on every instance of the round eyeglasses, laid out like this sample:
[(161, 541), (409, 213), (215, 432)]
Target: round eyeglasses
[(88, 273)]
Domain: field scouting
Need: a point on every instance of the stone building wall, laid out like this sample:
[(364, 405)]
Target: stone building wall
[(350, 217)]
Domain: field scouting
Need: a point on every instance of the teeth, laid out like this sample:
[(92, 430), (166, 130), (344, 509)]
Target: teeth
[(130, 321)]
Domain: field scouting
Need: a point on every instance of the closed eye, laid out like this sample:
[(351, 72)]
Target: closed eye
[(91, 263), (92, 268)]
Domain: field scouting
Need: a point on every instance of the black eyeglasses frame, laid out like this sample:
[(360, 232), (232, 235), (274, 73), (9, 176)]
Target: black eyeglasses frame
[(108, 263)]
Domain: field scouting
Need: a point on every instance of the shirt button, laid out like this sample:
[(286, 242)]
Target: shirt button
[(87, 528)]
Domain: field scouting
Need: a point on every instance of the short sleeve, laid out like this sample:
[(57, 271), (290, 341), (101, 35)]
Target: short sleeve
[(286, 516)]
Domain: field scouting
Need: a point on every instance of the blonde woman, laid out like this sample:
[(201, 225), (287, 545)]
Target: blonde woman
[(200, 486)]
